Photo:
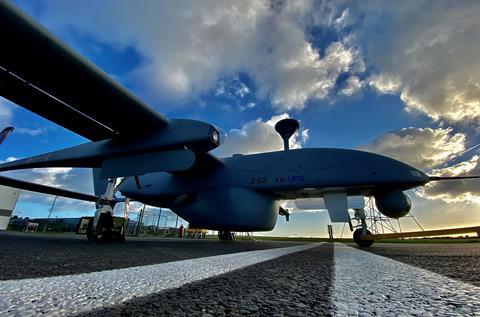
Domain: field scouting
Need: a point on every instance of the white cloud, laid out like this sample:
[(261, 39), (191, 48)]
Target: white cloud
[(384, 84), (79, 180), (233, 88), (6, 118), (424, 51), (433, 150), (352, 85), (308, 76), (76, 179), (423, 148), (427, 52), (259, 136), (31, 132), (188, 46), (455, 190)]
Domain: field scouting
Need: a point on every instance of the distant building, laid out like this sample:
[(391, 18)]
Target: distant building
[(53, 224)]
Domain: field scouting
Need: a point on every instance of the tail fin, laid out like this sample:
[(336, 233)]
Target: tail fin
[(99, 184)]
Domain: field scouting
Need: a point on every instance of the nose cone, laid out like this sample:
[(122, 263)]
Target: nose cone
[(411, 175), (424, 178), (390, 170)]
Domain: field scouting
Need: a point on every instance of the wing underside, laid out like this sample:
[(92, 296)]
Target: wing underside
[(43, 75)]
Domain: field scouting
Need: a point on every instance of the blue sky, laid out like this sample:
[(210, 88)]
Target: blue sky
[(398, 79)]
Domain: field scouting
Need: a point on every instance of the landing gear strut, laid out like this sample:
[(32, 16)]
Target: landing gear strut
[(358, 233), (226, 235), (102, 225)]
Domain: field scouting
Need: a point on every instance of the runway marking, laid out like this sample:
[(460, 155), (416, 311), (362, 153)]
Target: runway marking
[(369, 284), (72, 294)]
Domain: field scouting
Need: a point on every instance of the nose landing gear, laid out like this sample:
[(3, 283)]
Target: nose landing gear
[(362, 230), (357, 237)]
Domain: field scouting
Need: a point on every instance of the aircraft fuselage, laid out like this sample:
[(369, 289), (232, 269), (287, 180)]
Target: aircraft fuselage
[(289, 174), (277, 176)]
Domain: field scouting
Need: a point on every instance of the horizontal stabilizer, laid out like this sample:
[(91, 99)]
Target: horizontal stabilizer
[(337, 206), (15, 183), (139, 164)]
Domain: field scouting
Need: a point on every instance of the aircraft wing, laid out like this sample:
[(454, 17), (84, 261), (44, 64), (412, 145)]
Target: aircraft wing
[(43, 75), (6, 181)]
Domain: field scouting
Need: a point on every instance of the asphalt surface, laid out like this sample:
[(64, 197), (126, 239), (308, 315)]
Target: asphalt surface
[(32, 255), (298, 284), (456, 260), (306, 283)]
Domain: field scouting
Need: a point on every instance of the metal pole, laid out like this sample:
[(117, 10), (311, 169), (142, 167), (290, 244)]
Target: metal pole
[(176, 223), (158, 221), (49, 214), (139, 220)]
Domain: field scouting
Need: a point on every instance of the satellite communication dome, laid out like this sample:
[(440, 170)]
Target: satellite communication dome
[(286, 128)]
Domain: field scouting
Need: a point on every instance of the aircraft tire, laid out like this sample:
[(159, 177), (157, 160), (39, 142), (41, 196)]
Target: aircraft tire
[(91, 236), (105, 223), (357, 237), (121, 237)]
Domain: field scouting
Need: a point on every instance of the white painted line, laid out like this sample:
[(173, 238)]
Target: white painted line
[(71, 294), (367, 284)]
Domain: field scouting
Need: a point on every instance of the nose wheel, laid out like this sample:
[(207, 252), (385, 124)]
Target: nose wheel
[(361, 217), (357, 237)]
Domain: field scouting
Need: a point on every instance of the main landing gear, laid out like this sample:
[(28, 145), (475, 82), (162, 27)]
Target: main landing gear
[(362, 230), (226, 235)]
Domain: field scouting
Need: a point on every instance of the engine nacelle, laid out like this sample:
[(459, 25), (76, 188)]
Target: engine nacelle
[(394, 204), (234, 209)]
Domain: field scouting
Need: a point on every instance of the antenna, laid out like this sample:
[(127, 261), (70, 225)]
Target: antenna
[(286, 128)]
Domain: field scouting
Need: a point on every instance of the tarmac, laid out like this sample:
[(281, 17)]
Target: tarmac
[(69, 276)]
